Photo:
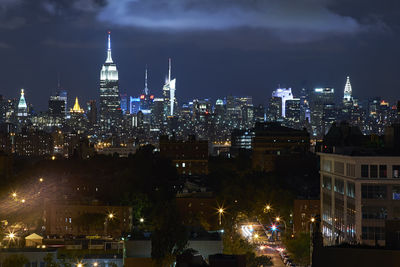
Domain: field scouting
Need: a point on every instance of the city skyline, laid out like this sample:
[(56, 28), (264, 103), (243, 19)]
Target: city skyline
[(68, 39)]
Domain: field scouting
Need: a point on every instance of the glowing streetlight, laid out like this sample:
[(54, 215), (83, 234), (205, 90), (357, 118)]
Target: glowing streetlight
[(277, 219), (256, 236), (141, 220), (267, 208), (11, 236), (23, 200), (95, 264), (54, 158), (220, 212), (110, 216), (41, 180), (14, 194), (312, 219), (79, 264)]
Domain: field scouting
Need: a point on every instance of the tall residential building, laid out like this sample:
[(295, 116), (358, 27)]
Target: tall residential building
[(57, 106), (110, 105), (63, 95), (22, 106), (274, 109), (304, 105), (293, 112), (170, 102), (92, 112), (124, 103), (323, 110), (284, 94)]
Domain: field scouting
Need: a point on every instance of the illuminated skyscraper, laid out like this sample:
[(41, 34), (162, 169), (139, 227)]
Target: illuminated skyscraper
[(284, 94), (169, 88), (22, 107), (347, 90), (110, 106), (146, 99)]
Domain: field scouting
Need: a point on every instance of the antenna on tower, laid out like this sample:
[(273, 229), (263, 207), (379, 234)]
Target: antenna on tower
[(58, 81), (109, 40), (109, 58), (169, 69), (145, 78)]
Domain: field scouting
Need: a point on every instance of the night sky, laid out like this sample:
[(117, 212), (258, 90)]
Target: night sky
[(218, 47)]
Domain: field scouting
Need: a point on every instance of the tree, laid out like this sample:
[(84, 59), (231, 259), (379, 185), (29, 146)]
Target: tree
[(234, 243), (49, 260), (299, 248), (16, 260), (169, 237)]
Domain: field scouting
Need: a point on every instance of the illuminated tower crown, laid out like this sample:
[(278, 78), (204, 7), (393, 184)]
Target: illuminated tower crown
[(76, 108), (347, 90)]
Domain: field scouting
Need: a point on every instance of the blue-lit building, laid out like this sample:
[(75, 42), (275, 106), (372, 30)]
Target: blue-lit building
[(124, 103), (134, 105)]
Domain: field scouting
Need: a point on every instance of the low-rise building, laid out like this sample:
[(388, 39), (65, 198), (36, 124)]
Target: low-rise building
[(81, 219)]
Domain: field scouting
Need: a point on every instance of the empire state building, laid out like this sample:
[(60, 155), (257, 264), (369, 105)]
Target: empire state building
[(110, 104)]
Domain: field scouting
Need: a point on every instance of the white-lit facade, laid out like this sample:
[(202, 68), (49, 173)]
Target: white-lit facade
[(358, 194), (169, 88), (284, 94), (110, 104), (22, 106)]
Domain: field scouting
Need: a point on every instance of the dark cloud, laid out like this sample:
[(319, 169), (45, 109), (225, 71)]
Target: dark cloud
[(301, 17)]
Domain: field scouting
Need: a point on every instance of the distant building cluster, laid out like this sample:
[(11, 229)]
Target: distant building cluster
[(119, 123)]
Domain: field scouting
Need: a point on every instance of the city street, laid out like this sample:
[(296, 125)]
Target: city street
[(276, 259)]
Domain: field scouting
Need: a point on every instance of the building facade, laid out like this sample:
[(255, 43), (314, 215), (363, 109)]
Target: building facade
[(77, 219), (358, 194), (190, 157)]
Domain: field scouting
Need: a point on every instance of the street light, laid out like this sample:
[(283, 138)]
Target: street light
[(11, 236), (23, 200), (79, 264), (220, 212), (267, 208), (279, 219), (14, 194), (110, 216), (95, 264), (141, 220), (312, 220), (41, 180)]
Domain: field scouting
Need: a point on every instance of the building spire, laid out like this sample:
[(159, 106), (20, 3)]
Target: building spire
[(169, 69), (77, 107), (109, 58), (347, 90), (146, 89), (22, 106)]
